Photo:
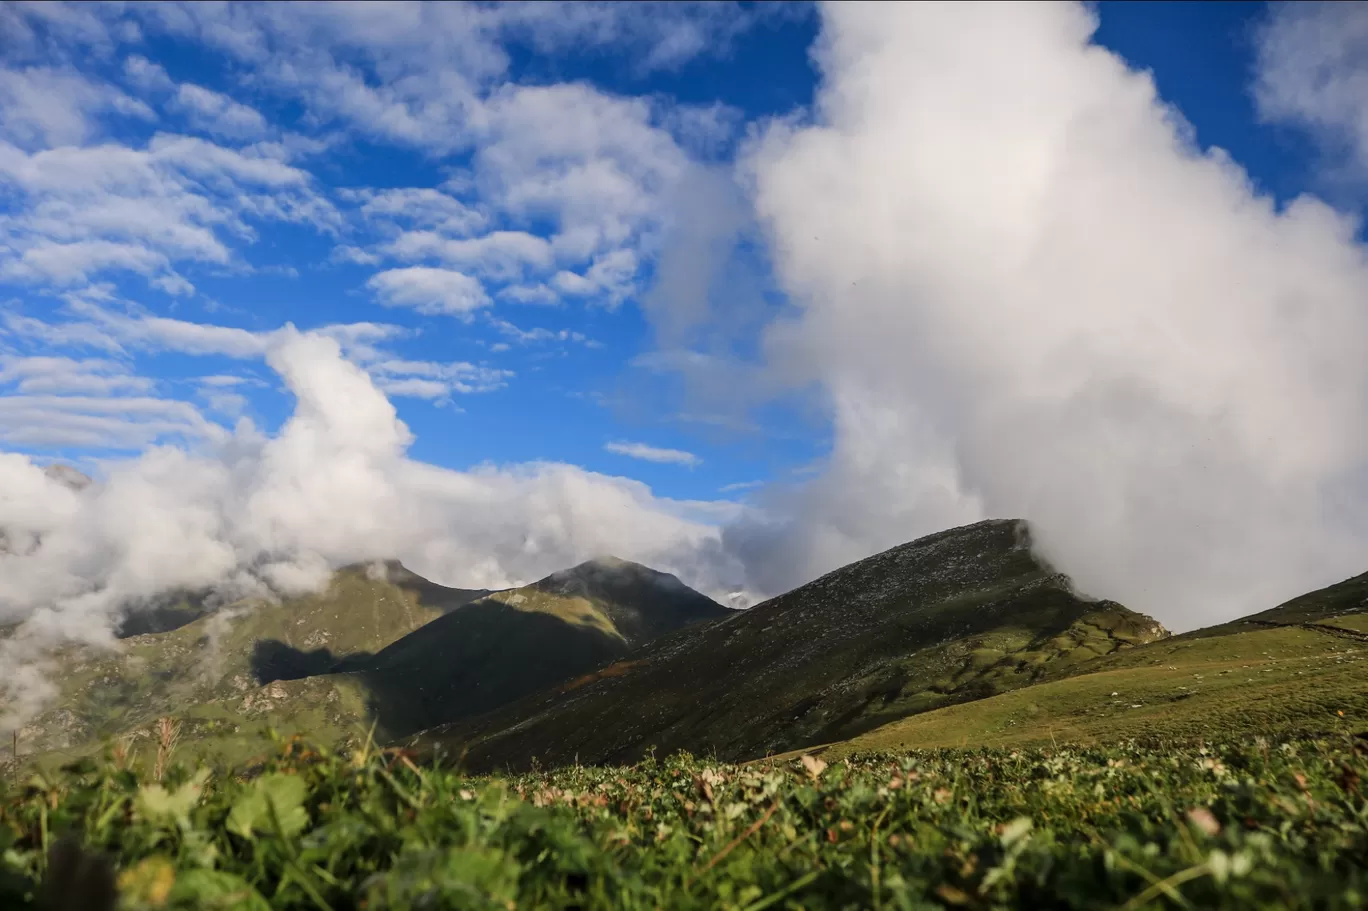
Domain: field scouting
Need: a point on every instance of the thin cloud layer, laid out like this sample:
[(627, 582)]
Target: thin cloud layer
[(648, 453)]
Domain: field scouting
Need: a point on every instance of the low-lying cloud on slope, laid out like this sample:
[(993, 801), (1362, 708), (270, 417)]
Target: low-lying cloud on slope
[(252, 514)]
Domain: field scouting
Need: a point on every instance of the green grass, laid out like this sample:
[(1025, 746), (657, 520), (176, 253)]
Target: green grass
[(1280, 680), (1252, 824)]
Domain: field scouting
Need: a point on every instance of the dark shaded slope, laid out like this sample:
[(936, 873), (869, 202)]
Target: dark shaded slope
[(504, 647), (950, 617), (642, 603), (475, 659)]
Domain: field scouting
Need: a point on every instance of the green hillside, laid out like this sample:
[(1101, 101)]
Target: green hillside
[(951, 617), (513, 643), (1296, 669), (222, 660), (381, 650)]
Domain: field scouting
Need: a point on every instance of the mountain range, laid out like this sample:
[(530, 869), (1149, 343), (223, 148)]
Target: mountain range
[(963, 637)]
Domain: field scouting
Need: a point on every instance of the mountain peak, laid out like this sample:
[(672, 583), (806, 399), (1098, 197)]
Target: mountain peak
[(67, 476), (599, 576)]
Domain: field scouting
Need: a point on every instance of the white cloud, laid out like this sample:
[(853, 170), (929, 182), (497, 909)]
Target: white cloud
[(432, 380), (50, 106), (335, 486), (592, 162), (98, 421), (652, 453), (429, 290), (212, 112), (1024, 294), (94, 376), (530, 294), (417, 73), (223, 381), (147, 76), (85, 211), (532, 336), (499, 255), (1312, 73), (417, 207), (102, 322)]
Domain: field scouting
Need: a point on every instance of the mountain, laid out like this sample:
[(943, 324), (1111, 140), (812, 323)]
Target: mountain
[(221, 658), (380, 649), (67, 476), (951, 617), (501, 648), (1298, 668)]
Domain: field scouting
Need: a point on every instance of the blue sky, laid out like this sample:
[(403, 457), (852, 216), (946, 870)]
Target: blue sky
[(605, 236), (552, 379)]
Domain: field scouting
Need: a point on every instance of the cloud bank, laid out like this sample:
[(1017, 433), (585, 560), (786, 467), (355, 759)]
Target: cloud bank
[(1024, 292), (248, 513)]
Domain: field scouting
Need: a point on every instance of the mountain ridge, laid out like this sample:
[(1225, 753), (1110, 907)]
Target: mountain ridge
[(948, 617), (341, 661)]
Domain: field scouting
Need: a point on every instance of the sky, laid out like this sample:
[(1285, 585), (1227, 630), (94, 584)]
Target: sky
[(743, 291)]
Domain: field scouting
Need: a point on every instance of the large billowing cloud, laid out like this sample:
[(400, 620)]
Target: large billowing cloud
[(1026, 293)]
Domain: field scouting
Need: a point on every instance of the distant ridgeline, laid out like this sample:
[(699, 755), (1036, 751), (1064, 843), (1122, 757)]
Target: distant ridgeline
[(963, 637), (382, 652)]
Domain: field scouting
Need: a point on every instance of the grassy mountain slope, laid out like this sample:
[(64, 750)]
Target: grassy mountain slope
[(381, 647), (1298, 668), (513, 643), (223, 659), (954, 616)]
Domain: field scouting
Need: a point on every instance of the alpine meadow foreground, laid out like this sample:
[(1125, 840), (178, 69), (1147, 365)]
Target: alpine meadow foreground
[(1256, 824)]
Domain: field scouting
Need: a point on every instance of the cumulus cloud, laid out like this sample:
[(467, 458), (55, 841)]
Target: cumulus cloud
[(1312, 73), (1024, 293), (216, 113), (85, 211), (429, 290), (52, 106), (648, 453), (250, 512)]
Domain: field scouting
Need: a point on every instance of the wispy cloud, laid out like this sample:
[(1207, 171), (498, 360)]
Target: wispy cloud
[(649, 453)]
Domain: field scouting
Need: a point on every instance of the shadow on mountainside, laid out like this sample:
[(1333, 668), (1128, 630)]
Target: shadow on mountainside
[(465, 663)]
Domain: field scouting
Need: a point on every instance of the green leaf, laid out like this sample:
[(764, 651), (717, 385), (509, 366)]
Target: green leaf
[(157, 805), (211, 890), (1015, 830), (283, 794)]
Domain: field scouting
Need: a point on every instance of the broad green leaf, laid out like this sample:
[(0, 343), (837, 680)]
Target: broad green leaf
[(283, 794), (157, 805), (212, 890)]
